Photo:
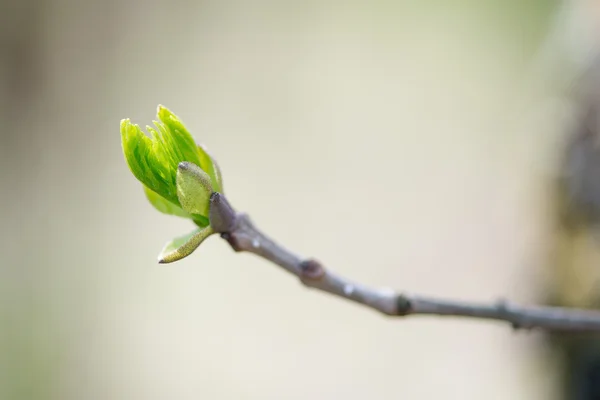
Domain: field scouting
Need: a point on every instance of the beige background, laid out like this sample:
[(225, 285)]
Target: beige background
[(404, 144)]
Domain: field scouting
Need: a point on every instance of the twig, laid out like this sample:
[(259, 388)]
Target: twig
[(242, 235)]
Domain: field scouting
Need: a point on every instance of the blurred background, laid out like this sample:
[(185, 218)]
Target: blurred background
[(433, 147)]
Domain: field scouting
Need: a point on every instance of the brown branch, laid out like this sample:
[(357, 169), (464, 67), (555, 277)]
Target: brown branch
[(242, 235)]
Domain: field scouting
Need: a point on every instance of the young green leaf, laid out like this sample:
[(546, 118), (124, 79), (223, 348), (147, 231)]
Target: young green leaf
[(154, 160), (165, 206), (208, 165), (206, 162), (218, 178), (183, 246)]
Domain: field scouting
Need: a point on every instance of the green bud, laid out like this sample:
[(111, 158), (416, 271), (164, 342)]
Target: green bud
[(183, 246), (193, 188), (154, 161)]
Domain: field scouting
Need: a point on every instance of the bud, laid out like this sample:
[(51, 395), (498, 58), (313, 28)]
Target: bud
[(183, 246), (155, 160), (178, 176), (193, 188)]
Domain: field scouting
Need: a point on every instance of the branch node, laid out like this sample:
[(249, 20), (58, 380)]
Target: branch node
[(403, 305), (311, 269), (233, 241), (506, 313)]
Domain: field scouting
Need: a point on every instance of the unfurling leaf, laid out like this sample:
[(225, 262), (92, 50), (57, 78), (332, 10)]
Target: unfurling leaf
[(207, 164), (218, 177), (154, 160), (163, 205)]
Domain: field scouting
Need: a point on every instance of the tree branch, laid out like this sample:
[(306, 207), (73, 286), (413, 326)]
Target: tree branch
[(242, 235)]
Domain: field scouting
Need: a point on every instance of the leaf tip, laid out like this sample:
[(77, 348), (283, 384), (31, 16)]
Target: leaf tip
[(124, 126), (163, 113)]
